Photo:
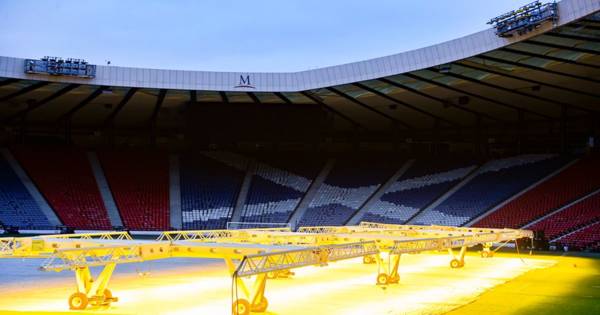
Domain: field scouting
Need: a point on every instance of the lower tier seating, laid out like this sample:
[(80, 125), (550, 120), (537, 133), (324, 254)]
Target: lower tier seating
[(586, 238), (347, 187), (17, 207), (139, 182), (493, 183), (570, 218), (209, 189), (422, 183), (65, 179), (574, 182)]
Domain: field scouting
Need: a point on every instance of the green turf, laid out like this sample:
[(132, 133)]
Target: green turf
[(572, 286)]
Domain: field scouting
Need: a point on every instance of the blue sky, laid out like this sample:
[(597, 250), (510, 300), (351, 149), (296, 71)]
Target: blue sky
[(235, 35)]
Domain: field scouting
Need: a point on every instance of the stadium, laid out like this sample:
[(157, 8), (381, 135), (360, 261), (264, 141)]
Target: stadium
[(458, 178)]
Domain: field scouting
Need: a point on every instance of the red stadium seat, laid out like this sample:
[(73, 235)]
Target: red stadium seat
[(65, 178), (140, 186), (572, 183)]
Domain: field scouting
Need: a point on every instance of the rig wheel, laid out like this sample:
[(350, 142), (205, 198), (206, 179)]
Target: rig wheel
[(367, 260), (382, 279), (261, 307), (241, 307), (455, 263), (78, 301)]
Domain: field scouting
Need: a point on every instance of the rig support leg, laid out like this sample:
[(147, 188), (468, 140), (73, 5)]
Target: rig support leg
[(90, 291), (486, 252), (457, 262), (388, 271), (253, 299)]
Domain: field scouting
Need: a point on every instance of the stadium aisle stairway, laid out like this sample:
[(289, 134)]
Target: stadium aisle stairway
[(349, 184), (139, 182), (65, 179), (574, 182), (17, 207), (424, 182), (494, 182), (208, 191)]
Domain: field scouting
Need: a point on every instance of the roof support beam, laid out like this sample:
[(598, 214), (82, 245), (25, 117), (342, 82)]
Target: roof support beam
[(110, 119), (497, 87), (24, 90), (563, 60), (8, 81), (528, 66), (574, 37), (253, 97), (159, 101), (36, 105), (591, 27), (354, 100), (506, 74), (431, 97), (399, 102), (81, 104), (224, 97), (283, 97), (576, 49), (331, 109)]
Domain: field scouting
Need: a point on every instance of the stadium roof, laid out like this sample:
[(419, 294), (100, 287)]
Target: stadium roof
[(544, 75)]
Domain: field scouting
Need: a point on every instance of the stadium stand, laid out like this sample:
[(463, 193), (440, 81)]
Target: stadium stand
[(17, 207), (585, 238), (424, 182), (571, 218), (574, 182), (208, 192), (139, 182), (347, 187), (276, 191), (65, 179), (494, 182)]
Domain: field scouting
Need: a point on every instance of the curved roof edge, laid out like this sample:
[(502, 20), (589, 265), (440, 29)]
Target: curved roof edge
[(446, 52)]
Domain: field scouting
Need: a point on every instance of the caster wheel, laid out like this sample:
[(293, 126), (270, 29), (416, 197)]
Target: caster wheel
[(240, 307), (455, 263), (485, 254), (261, 307), (382, 279), (78, 301), (367, 260)]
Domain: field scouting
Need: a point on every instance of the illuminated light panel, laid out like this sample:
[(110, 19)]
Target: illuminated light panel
[(427, 285)]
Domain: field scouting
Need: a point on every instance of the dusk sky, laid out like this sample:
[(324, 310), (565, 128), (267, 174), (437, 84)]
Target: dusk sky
[(233, 35)]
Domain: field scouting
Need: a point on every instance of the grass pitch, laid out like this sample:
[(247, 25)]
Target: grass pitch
[(572, 286)]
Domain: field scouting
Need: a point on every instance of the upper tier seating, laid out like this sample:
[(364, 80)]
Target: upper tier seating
[(139, 182), (208, 191), (275, 192), (347, 187), (495, 182), (586, 238), (65, 179), (422, 183), (576, 181), (17, 207), (570, 219)]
